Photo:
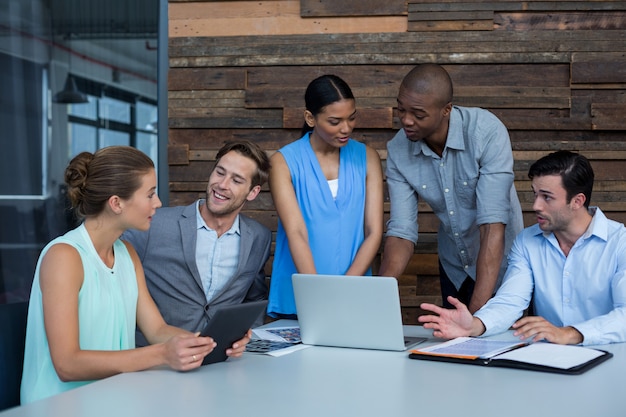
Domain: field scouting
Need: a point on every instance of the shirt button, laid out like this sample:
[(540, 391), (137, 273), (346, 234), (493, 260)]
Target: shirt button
[(451, 212), (462, 252), (423, 187), (441, 164), (464, 182), (466, 266), (447, 190), (456, 234)]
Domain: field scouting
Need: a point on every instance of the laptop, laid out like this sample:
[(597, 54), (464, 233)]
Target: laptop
[(350, 311)]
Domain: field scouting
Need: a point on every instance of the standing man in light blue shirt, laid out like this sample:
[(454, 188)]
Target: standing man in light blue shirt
[(458, 160), (572, 264), (207, 254)]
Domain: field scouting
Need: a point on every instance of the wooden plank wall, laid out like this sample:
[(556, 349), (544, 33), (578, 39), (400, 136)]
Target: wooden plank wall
[(554, 72)]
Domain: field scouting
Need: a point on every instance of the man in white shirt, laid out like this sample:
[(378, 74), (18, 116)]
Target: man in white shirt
[(572, 264)]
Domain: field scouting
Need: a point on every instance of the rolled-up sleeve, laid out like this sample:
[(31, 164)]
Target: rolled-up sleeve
[(403, 213), (493, 190)]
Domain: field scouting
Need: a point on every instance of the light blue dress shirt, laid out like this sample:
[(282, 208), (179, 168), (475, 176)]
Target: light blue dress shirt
[(586, 289), (216, 257), (471, 184)]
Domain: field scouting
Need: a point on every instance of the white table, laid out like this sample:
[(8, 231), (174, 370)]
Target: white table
[(323, 381)]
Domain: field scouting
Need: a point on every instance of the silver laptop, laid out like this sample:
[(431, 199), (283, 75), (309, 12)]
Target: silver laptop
[(348, 311)]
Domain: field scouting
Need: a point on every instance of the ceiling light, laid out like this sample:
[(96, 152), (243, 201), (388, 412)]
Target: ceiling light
[(70, 93)]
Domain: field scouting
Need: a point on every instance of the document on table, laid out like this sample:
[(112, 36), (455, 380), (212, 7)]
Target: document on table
[(549, 354), (470, 348), (279, 334), (275, 341), (540, 356)]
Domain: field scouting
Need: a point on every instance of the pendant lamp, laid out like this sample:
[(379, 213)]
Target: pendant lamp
[(70, 93)]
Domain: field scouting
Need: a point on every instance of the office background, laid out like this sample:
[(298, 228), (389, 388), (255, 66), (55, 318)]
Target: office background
[(554, 72)]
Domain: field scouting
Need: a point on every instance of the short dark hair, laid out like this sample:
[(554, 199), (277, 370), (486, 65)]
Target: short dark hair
[(430, 79), (575, 171), (253, 151), (321, 92), (92, 178)]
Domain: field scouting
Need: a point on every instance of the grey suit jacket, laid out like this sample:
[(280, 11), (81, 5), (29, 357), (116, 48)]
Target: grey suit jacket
[(168, 255)]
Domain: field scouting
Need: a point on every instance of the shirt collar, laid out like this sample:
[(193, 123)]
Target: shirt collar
[(201, 224), (454, 140), (455, 131), (598, 227)]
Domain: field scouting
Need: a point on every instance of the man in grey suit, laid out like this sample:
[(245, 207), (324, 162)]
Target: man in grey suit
[(205, 255)]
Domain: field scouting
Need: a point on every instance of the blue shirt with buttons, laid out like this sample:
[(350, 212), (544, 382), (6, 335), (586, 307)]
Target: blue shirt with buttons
[(585, 289), (471, 184), (217, 257)]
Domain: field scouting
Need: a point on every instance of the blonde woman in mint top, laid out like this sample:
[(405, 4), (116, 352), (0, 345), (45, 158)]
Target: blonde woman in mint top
[(328, 193), (89, 290)]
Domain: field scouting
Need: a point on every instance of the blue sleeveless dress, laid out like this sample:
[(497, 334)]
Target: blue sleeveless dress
[(335, 226)]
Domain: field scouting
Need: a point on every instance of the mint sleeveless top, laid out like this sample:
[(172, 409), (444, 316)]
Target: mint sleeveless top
[(335, 226), (107, 305)]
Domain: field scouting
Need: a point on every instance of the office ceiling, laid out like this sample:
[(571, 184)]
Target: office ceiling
[(120, 33), (104, 19)]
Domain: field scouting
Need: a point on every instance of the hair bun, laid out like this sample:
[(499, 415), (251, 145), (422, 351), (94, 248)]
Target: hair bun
[(76, 176)]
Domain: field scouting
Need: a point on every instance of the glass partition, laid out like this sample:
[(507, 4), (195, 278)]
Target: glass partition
[(106, 53)]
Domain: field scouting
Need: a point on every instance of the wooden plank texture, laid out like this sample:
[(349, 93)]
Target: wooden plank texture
[(599, 68), (205, 79), (391, 49), (499, 6), (554, 72), (267, 18), (608, 116), (562, 21), (334, 8), (486, 15)]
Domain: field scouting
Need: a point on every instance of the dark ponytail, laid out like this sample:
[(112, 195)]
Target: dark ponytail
[(321, 92)]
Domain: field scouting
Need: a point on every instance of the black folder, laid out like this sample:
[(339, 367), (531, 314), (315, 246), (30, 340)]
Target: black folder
[(543, 357)]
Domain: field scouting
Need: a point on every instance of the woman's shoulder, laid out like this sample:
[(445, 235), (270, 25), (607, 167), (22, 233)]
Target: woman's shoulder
[(295, 145), (356, 149), (61, 249), (60, 262), (70, 242)]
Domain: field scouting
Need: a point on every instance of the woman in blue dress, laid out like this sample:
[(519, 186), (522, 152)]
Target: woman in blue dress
[(328, 193), (89, 292)]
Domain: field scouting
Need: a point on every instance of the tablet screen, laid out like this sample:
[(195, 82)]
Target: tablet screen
[(229, 324)]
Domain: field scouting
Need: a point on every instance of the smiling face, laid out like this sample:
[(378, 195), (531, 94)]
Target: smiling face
[(422, 116), (142, 205), (554, 212), (334, 124), (230, 185)]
